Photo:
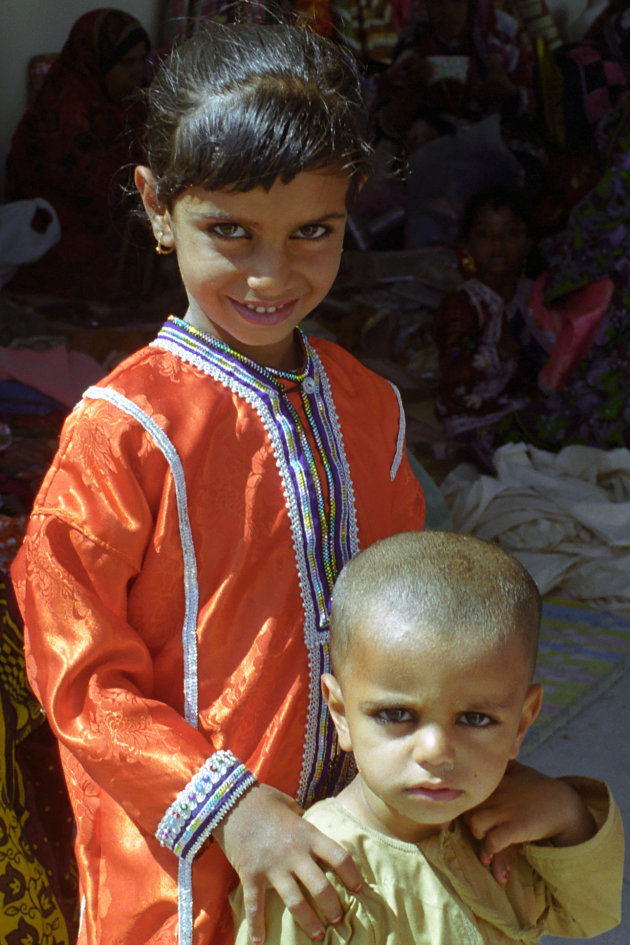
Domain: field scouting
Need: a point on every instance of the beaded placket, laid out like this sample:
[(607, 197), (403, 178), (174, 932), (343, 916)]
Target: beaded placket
[(320, 506)]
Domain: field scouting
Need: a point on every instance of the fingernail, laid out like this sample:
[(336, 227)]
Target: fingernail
[(506, 874), (336, 920), (318, 935), (358, 888)]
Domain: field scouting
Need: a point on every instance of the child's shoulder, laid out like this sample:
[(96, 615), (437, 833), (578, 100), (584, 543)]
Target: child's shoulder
[(155, 375)]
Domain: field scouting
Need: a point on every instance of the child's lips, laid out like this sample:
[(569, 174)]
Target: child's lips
[(265, 313), (434, 792)]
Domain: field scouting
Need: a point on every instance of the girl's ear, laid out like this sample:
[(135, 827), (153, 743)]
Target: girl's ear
[(331, 690), (531, 708), (157, 212)]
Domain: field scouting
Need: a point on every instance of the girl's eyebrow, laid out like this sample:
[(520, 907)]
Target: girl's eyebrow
[(216, 214)]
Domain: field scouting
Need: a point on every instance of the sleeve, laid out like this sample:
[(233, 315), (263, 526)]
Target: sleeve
[(583, 882), (94, 520)]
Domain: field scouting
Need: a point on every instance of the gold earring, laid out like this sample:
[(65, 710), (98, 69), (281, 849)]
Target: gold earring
[(163, 250), (467, 263)]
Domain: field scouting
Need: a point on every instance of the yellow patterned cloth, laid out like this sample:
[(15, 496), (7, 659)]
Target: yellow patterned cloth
[(29, 910)]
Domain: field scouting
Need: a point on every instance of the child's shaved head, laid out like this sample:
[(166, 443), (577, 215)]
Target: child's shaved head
[(448, 585)]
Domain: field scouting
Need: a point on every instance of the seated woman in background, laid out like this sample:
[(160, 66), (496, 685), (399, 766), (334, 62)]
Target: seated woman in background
[(457, 62), (71, 146), (458, 68), (490, 351)]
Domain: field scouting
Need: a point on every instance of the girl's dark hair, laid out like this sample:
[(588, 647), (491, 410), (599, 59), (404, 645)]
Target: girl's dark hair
[(241, 105), (495, 197)]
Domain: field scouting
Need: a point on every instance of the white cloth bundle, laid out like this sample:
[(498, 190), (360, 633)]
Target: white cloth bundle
[(565, 516)]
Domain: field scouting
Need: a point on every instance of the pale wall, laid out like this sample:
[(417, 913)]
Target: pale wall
[(31, 27)]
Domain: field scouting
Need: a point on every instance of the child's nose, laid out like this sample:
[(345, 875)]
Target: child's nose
[(433, 747), (269, 269)]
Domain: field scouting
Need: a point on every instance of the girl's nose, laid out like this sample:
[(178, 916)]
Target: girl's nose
[(269, 270), (433, 747)]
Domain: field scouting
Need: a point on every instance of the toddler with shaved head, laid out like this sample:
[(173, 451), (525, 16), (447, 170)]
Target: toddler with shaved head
[(433, 648)]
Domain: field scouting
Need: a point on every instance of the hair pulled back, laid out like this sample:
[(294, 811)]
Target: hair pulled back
[(241, 105)]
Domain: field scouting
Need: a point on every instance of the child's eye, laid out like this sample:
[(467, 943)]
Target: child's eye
[(394, 716), (228, 231), (476, 719), (311, 231)]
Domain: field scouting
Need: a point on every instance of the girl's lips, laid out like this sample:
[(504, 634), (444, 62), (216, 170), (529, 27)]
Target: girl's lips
[(427, 793), (258, 313)]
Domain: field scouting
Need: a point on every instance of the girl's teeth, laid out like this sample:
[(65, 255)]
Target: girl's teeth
[(262, 310)]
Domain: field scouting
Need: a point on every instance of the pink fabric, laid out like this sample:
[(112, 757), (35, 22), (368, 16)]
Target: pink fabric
[(56, 372), (574, 321)]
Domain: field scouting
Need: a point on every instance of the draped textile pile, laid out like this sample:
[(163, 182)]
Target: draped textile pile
[(565, 516)]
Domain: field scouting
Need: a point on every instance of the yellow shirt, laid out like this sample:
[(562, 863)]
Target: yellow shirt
[(437, 892)]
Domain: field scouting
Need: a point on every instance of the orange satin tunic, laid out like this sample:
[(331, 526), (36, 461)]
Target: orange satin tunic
[(105, 584)]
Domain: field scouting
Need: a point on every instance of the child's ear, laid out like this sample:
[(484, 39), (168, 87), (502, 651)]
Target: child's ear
[(531, 708), (157, 212), (331, 690)]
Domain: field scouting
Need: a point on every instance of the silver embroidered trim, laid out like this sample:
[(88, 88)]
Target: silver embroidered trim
[(400, 442), (185, 916), (330, 403), (311, 637), (191, 591), (218, 785), (189, 628)]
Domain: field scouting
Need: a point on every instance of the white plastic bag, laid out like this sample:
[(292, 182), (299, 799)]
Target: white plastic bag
[(28, 229)]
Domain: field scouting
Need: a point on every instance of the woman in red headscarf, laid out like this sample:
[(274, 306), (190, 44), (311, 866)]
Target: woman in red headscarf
[(71, 146)]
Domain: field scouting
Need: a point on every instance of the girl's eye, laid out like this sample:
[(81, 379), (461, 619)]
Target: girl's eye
[(312, 231), (476, 719), (394, 716), (228, 231)]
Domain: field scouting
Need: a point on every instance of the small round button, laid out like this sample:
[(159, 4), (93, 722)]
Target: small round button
[(308, 385)]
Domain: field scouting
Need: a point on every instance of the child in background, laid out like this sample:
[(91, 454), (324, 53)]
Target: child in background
[(433, 646), (176, 577), (490, 351)]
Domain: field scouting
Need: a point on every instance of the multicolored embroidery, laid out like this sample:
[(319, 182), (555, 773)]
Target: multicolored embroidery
[(203, 804), (321, 507)]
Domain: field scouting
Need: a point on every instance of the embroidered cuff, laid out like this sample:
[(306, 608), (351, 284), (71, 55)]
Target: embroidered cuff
[(203, 804)]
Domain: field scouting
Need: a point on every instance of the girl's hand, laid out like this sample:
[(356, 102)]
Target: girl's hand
[(528, 806), (269, 845)]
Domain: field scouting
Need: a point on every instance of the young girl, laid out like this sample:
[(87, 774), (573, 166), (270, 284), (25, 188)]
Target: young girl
[(176, 577), (489, 350)]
